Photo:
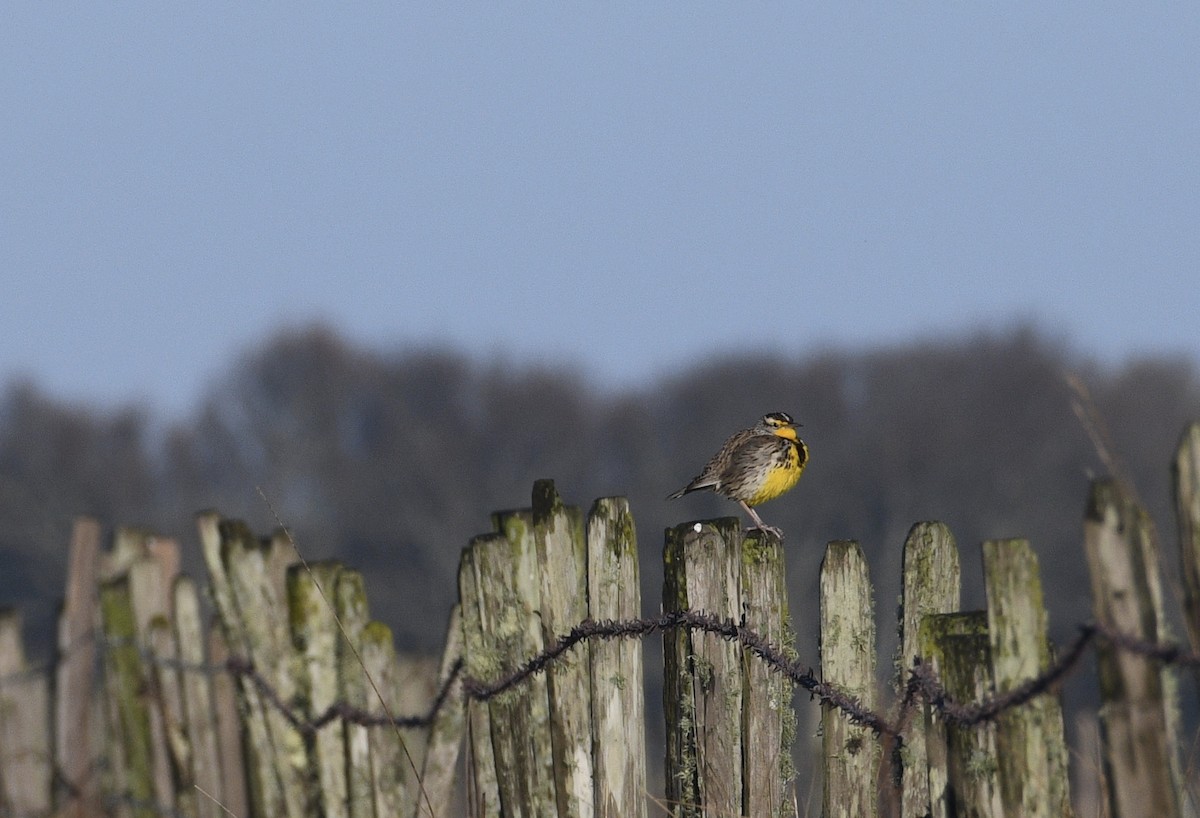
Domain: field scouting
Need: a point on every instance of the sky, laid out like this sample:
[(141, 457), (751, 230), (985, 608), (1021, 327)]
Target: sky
[(626, 187)]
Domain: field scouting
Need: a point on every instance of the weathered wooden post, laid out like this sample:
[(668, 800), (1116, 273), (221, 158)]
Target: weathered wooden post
[(164, 687), (130, 713), (729, 720), (560, 743), (1141, 765), (504, 574), (618, 704), (203, 772), (702, 693), (25, 770), (768, 718), (356, 683), (960, 650), (481, 660), (1185, 471), (315, 636), (446, 732), (149, 591), (78, 623), (931, 583), (234, 793), (850, 753), (251, 604), (1030, 739), (380, 771), (562, 560)]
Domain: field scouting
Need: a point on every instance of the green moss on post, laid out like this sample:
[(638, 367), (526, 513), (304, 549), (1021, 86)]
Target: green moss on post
[(1031, 743), (931, 581), (479, 662), (124, 682), (252, 609), (851, 753), (378, 770), (507, 583), (149, 593), (958, 646), (316, 637)]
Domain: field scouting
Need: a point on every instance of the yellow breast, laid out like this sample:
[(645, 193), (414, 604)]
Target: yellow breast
[(781, 476)]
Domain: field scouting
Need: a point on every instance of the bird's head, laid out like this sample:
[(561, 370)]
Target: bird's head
[(779, 423)]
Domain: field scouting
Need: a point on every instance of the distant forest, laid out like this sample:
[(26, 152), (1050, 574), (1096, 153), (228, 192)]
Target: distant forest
[(392, 460)]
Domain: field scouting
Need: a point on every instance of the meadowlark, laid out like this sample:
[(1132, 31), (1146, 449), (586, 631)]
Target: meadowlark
[(755, 465)]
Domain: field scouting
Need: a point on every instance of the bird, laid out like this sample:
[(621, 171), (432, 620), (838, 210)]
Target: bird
[(755, 465)]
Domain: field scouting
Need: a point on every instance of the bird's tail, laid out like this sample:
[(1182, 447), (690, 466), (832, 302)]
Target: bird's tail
[(695, 485)]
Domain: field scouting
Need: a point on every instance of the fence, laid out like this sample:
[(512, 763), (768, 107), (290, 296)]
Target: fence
[(293, 703)]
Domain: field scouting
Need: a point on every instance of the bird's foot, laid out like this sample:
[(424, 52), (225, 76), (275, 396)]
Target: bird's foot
[(769, 529)]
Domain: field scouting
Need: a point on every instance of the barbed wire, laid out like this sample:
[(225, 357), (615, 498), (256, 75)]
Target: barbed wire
[(921, 684)]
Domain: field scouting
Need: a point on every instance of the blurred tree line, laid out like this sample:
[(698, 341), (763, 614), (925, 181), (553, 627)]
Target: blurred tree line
[(391, 461)]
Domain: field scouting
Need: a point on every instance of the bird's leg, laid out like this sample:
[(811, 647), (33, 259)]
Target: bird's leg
[(759, 524)]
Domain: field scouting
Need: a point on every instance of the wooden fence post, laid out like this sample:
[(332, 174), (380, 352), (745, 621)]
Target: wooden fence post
[(1030, 739), (618, 703), (204, 767), (850, 753), (729, 720), (1141, 766), (768, 717), (130, 714), (164, 687), (149, 584), (435, 785), (931, 582), (702, 685), (25, 765), (384, 769), (234, 796), (568, 742), (79, 622), (960, 650), (562, 560), (506, 632), (251, 603), (1185, 473), (349, 598), (480, 661), (315, 636)]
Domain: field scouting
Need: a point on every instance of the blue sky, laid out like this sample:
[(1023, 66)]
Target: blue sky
[(627, 187)]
